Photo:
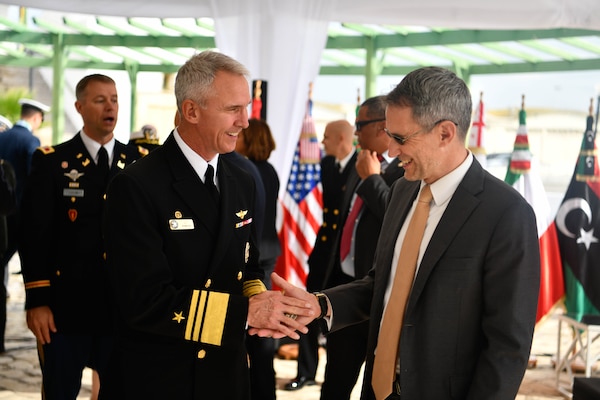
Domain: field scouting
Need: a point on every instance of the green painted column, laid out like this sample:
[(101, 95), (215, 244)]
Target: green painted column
[(132, 69), (59, 60), (373, 67)]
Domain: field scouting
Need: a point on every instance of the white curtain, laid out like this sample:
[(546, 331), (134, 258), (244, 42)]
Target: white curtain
[(279, 41)]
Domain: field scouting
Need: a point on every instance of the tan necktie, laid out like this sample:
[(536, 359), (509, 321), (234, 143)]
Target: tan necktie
[(384, 367)]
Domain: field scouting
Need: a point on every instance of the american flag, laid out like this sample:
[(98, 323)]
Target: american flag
[(302, 206)]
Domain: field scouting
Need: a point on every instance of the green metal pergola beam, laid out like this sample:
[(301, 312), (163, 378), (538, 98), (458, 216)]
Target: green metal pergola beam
[(547, 66), (50, 44)]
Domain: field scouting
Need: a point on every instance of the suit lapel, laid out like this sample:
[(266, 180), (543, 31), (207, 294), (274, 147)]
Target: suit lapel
[(394, 219), (398, 207), (460, 207), (120, 159)]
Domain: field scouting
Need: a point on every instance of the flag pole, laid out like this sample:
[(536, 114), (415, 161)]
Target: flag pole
[(597, 111)]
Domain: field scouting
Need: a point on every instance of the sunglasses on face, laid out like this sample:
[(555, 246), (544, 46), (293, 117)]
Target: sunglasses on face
[(403, 139), (360, 124)]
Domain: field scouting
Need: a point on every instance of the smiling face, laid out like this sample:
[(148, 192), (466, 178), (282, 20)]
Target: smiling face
[(212, 128), (429, 152), (99, 108)]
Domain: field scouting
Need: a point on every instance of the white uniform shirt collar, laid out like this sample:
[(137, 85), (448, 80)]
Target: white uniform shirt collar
[(198, 163), (24, 124), (344, 161), (92, 147)]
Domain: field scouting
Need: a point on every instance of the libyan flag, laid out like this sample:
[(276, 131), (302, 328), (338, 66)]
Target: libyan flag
[(522, 175), (578, 224)]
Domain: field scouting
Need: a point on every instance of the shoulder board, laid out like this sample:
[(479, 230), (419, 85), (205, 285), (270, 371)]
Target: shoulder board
[(46, 149)]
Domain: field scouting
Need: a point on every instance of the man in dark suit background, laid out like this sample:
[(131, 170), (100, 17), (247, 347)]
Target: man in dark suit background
[(182, 255), (60, 242), (336, 166), (468, 322), (354, 246)]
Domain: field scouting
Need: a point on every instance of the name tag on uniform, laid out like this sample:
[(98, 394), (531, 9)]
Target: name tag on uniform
[(73, 192), (181, 224)]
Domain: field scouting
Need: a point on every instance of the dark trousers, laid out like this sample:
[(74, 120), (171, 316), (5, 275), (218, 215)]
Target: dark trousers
[(262, 374), (11, 248), (3, 294), (64, 358), (308, 351), (346, 352)]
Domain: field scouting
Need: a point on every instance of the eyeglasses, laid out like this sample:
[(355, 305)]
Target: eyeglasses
[(403, 139), (360, 124)]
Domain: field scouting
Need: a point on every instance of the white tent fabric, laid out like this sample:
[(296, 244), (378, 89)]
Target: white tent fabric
[(281, 40), (488, 14)]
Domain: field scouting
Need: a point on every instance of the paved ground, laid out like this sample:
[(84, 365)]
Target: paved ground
[(20, 376)]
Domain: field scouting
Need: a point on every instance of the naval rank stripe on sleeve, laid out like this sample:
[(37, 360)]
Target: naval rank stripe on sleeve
[(206, 320), (37, 284)]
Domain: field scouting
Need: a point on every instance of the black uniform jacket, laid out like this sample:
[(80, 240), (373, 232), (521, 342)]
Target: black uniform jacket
[(333, 182), (177, 265), (60, 242)]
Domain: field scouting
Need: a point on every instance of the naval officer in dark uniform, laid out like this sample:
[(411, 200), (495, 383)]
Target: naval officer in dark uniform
[(182, 254), (61, 247)]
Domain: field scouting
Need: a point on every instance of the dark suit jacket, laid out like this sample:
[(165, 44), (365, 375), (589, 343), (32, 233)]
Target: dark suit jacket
[(270, 248), (259, 195), (334, 185), (60, 243), (470, 316), (177, 266), (374, 191)]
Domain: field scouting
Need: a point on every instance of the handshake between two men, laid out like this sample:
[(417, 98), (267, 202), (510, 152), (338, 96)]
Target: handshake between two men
[(278, 314)]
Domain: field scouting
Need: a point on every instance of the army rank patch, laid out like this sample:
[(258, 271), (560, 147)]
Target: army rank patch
[(46, 149)]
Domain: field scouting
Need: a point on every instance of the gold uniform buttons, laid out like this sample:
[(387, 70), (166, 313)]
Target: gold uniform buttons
[(201, 354), (336, 211), (323, 238), (334, 227), (104, 256), (208, 283), (58, 272), (239, 276)]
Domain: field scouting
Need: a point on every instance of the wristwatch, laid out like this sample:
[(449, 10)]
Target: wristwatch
[(323, 303)]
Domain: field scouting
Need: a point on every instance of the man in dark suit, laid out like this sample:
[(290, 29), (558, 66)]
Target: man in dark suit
[(60, 242), (182, 255), (354, 246), (468, 321), (336, 167)]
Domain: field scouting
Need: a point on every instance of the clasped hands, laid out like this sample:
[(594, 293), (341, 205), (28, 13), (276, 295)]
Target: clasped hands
[(278, 314)]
